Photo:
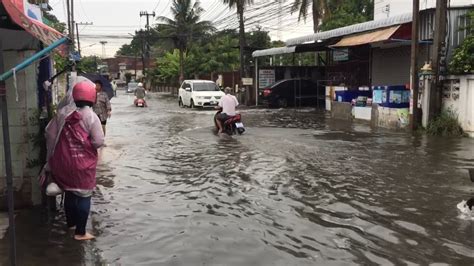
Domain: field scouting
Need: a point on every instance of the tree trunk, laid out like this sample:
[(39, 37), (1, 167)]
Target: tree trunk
[(242, 42), (316, 16), (181, 66)]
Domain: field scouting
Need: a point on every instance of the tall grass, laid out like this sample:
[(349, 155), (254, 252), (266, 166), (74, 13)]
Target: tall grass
[(446, 124)]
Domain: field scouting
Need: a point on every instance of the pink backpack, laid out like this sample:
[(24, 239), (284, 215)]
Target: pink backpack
[(74, 160)]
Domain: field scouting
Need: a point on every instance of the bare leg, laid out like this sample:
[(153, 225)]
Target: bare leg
[(219, 125), (86, 236)]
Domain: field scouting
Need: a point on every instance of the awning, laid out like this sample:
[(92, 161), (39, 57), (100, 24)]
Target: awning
[(369, 37), (274, 51), (20, 15), (352, 29)]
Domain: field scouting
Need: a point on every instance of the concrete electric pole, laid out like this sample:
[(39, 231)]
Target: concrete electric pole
[(439, 48), (77, 33), (414, 114), (144, 37)]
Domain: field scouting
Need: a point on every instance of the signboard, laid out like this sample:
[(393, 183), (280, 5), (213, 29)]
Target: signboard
[(340, 54), (247, 81), (266, 77), (26, 17)]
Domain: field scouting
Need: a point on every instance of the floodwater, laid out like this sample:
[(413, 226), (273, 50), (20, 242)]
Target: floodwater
[(297, 189)]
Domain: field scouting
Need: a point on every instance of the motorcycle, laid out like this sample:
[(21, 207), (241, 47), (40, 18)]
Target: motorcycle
[(140, 103), (232, 126)]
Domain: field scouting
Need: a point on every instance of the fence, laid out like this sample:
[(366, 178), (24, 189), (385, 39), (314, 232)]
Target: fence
[(165, 88)]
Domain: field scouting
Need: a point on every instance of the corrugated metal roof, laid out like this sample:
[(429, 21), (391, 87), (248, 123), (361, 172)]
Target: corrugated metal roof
[(356, 28), (274, 51), (369, 37)]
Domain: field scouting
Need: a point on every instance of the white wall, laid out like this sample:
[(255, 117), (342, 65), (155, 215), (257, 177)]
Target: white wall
[(19, 113), (461, 100), (398, 7)]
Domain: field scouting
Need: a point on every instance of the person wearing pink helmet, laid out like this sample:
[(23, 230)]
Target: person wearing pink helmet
[(73, 137)]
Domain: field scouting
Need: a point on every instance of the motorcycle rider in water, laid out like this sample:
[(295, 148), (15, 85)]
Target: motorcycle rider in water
[(140, 93), (228, 103)]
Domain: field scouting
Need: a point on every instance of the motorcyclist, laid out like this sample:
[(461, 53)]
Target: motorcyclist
[(140, 93), (228, 103)]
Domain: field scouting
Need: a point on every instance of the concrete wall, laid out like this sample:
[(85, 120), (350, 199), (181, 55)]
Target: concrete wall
[(390, 118), (458, 94), (341, 110), (20, 110)]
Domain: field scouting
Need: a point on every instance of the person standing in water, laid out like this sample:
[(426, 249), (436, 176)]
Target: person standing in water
[(73, 137), (102, 106)]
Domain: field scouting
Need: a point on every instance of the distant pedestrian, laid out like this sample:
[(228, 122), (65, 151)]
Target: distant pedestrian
[(114, 87), (102, 106), (73, 137)]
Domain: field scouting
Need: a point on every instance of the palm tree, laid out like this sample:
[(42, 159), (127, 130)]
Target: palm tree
[(240, 5), (184, 27), (319, 10)]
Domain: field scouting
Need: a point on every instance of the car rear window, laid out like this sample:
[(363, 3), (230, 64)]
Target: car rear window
[(205, 87)]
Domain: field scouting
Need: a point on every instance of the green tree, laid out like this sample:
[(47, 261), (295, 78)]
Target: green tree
[(220, 54), (319, 10), (462, 61), (347, 12), (128, 50), (184, 27), (52, 21), (88, 64), (331, 14), (259, 39), (240, 6)]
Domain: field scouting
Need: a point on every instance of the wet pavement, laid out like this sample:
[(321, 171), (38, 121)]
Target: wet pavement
[(297, 189)]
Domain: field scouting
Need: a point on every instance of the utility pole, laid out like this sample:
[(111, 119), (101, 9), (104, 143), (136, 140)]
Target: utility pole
[(77, 33), (414, 118), (68, 10), (145, 46), (438, 45), (148, 15), (72, 23)]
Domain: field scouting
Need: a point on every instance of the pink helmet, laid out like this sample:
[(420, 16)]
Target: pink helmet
[(84, 91)]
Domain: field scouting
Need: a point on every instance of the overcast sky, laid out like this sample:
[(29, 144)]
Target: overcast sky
[(114, 20)]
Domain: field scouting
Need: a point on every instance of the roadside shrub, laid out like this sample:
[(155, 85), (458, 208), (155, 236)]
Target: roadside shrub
[(463, 57), (445, 124)]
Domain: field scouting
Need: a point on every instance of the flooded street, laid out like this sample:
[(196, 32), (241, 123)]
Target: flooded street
[(297, 189)]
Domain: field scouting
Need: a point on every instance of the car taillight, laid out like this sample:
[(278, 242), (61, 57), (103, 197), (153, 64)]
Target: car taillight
[(266, 92)]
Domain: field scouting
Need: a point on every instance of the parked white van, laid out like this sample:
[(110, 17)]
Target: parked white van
[(202, 93)]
